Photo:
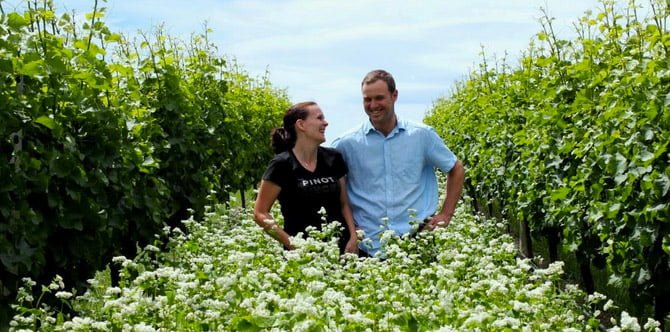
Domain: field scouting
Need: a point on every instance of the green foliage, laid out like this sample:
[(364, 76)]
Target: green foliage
[(227, 274), (103, 140), (576, 139)]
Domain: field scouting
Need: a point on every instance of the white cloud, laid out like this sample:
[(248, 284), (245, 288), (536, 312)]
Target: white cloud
[(319, 50)]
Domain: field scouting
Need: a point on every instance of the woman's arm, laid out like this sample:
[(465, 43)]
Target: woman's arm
[(267, 195), (352, 244)]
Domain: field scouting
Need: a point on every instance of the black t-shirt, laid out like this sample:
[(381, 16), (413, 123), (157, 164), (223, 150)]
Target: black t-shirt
[(303, 193)]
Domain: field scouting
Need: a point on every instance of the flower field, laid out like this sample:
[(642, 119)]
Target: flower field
[(225, 274)]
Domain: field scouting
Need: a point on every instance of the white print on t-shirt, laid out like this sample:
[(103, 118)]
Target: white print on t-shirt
[(317, 181)]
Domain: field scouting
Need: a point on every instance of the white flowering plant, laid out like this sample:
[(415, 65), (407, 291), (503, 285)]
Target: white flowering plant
[(226, 274)]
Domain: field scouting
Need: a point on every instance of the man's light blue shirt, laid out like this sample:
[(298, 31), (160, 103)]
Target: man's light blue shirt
[(389, 175)]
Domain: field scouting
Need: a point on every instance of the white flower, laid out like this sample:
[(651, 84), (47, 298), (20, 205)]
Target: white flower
[(652, 324), (63, 295), (385, 222), (230, 296), (316, 286), (555, 268), (538, 293), (102, 326), (477, 318), (57, 283), (119, 259), (113, 291), (608, 305), (312, 272), (629, 323), (151, 248), (78, 323), (142, 327), (522, 306), (596, 297), (507, 321), (28, 281), (359, 318), (386, 236)]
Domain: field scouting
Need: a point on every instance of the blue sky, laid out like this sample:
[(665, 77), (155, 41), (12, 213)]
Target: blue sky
[(320, 50)]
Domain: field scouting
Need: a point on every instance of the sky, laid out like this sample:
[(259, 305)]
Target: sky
[(320, 50)]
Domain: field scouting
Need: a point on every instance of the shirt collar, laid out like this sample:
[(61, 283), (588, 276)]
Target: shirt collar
[(400, 126)]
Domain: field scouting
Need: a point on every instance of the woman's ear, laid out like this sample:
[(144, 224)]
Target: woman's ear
[(300, 124)]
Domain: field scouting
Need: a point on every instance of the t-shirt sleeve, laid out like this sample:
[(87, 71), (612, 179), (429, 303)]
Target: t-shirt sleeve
[(277, 172), (438, 153), (340, 166)]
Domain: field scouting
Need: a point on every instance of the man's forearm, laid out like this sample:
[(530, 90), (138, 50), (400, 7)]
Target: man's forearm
[(454, 189)]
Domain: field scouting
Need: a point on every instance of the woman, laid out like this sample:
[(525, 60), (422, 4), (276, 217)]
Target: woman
[(305, 178)]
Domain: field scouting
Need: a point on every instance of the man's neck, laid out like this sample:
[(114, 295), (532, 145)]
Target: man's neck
[(387, 127)]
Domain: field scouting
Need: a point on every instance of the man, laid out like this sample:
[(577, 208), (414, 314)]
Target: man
[(391, 168)]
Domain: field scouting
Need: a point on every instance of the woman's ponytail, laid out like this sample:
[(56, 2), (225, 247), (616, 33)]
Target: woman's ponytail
[(282, 140)]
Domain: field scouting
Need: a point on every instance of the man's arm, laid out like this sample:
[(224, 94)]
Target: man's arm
[(454, 185)]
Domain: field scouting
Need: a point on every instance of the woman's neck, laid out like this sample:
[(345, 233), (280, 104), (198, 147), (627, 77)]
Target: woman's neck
[(306, 154)]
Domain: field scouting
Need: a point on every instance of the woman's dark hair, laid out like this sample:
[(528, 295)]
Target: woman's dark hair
[(283, 138)]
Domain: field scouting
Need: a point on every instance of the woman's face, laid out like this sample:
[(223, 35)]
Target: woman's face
[(314, 125)]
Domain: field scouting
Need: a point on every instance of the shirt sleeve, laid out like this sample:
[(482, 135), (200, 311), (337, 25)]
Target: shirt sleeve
[(438, 153), (340, 166), (277, 172)]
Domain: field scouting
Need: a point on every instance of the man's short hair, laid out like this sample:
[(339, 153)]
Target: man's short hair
[(377, 75)]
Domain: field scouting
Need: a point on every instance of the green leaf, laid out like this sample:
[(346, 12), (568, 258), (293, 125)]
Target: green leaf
[(621, 163), (56, 64), (646, 156), (46, 121), (6, 65), (613, 210), (619, 179), (643, 276), (663, 182), (114, 37), (657, 207), (560, 194), (149, 162), (32, 68), (16, 21), (245, 324), (72, 221)]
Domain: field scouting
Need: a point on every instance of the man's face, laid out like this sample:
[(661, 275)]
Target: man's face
[(378, 103)]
